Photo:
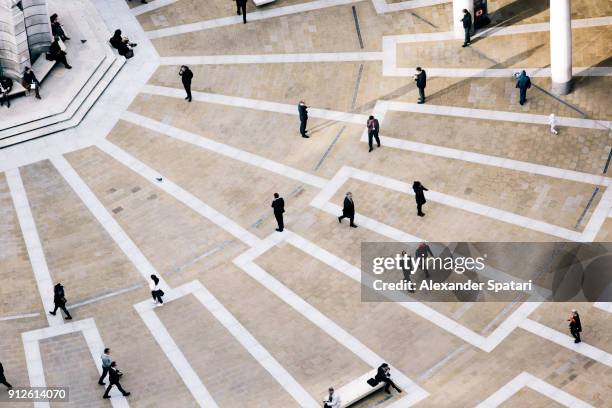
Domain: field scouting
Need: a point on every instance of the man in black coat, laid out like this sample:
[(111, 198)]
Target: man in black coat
[(373, 129), (59, 298), (278, 204), (241, 6), (3, 378), (575, 326), (303, 111), (57, 54), (421, 82), (467, 27), (113, 379), (419, 196), (348, 210), (186, 77), (383, 375)]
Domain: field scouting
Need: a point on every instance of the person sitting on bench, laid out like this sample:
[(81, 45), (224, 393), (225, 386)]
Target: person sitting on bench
[(6, 84), (332, 400), (383, 375), (57, 54), (30, 82), (57, 29), (122, 44)]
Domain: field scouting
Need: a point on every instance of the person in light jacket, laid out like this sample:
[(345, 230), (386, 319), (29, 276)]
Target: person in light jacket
[(332, 400)]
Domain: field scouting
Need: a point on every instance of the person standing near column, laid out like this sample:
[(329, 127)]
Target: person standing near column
[(278, 204), (186, 77), (523, 83), (59, 299), (348, 210), (3, 378), (373, 128), (106, 362), (303, 111), (241, 6), (467, 27), (419, 196), (113, 379), (421, 81)]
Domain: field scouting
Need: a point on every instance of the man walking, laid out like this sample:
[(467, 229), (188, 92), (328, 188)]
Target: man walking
[(303, 111), (575, 326), (59, 299), (3, 378), (467, 27), (523, 83), (348, 210), (186, 77), (106, 362), (373, 128), (419, 196), (113, 379), (278, 204), (421, 81), (241, 6)]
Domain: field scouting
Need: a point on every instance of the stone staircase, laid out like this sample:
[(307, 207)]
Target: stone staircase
[(65, 107)]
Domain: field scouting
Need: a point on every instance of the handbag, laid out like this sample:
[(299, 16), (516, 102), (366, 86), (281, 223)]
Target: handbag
[(373, 382), (129, 54)]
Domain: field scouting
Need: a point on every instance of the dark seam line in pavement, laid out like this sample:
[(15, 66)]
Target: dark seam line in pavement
[(216, 249), (329, 149), (357, 27), (423, 20), (103, 296), (569, 105), (608, 161), (587, 206), (356, 89)]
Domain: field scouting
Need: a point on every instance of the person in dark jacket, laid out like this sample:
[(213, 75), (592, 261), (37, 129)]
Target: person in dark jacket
[(278, 204), (523, 83), (348, 210), (373, 129), (419, 196), (57, 29), (121, 44), (6, 85), (186, 77), (241, 7), (575, 326), (59, 299), (467, 27), (303, 111), (30, 82), (383, 375), (421, 82), (3, 378), (422, 252), (57, 54), (113, 379)]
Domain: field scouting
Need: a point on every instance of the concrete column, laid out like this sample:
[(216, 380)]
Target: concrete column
[(458, 6), (561, 46)]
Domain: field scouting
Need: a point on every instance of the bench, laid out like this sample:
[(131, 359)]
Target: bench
[(41, 67), (357, 389), (262, 2)]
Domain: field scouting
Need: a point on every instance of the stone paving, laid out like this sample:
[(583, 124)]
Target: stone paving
[(183, 190)]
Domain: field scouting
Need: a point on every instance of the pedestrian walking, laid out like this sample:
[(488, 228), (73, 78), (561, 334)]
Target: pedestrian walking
[(552, 122), (421, 254), (383, 374), (421, 81), (332, 400), (467, 27), (523, 83), (419, 196), (156, 292), (59, 299), (303, 111), (106, 362), (241, 7), (278, 204), (348, 210), (575, 326), (3, 378), (114, 375), (373, 128), (186, 76)]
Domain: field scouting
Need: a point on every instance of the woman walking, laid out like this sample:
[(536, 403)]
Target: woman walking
[(419, 196), (156, 292)]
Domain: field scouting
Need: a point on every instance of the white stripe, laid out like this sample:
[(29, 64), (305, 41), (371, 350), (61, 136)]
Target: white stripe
[(20, 316), (97, 209), (225, 150), (566, 341), (179, 193), (598, 217), (606, 306), (154, 5), (271, 58), (382, 6), (392, 70), (44, 282), (254, 16)]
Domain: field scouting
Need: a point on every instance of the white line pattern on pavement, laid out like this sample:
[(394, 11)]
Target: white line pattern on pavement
[(152, 6)]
